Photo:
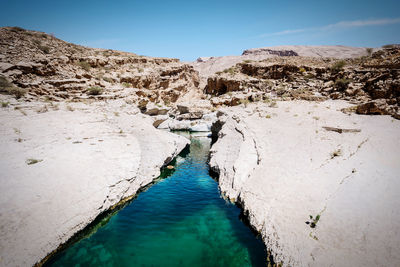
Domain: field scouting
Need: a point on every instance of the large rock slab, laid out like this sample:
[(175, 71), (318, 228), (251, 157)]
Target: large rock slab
[(90, 157), (318, 197)]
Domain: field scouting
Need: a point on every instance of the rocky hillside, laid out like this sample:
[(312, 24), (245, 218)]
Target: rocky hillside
[(373, 82), (209, 65), (323, 51), (39, 64)]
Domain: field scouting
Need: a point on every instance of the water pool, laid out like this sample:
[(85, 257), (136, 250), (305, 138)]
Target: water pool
[(179, 221)]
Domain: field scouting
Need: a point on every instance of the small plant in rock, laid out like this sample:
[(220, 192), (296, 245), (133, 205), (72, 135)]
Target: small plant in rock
[(95, 90), (37, 42), (84, 65), (4, 104), (338, 66), (245, 102), (17, 29), (108, 79), (231, 71), (273, 104), (9, 88), (313, 221), (69, 108), (302, 70), (341, 84), (45, 49), (140, 70), (33, 161), (4, 82), (336, 153), (389, 46), (125, 84), (247, 61)]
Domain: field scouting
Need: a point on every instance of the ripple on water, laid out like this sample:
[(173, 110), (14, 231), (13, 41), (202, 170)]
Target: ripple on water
[(179, 221)]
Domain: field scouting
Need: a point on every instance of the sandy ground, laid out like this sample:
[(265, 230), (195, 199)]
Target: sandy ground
[(284, 167), (89, 157)]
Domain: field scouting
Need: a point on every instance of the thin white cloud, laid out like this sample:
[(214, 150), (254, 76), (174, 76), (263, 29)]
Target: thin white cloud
[(339, 25), (362, 23)]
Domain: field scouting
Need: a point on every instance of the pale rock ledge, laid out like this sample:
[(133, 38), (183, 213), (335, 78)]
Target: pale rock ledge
[(283, 166)]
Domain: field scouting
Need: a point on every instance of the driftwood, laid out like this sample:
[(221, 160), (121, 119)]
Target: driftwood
[(341, 130)]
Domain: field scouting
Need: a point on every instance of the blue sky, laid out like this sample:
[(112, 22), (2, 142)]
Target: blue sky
[(189, 29)]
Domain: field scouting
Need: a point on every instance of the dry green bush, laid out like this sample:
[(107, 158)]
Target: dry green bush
[(341, 84), (338, 66), (84, 65), (10, 89), (95, 90), (44, 48), (17, 29)]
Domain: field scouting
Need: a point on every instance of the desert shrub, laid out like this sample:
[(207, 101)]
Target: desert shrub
[(231, 71), (95, 90), (245, 102), (342, 84), (247, 61), (45, 49), (16, 91), (17, 29), (84, 65), (37, 42), (389, 46), (108, 79), (4, 82), (336, 153), (338, 66), (125, 84), (369, 51), (302, 70), (4, 104), (9, 88)]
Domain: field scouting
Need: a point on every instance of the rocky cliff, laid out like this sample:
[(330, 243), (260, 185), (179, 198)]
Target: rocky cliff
[(371, 82), (320, 186)]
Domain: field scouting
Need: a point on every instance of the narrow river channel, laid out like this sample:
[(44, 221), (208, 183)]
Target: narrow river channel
[(179, 221)]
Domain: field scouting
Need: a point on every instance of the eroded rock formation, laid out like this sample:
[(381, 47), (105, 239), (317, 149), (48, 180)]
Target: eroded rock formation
[(47, 66)]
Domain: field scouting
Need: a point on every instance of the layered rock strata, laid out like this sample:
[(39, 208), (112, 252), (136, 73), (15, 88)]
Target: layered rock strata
[(45, 66)]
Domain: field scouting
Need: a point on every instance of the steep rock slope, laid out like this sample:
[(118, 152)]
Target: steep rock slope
[(46, 66)]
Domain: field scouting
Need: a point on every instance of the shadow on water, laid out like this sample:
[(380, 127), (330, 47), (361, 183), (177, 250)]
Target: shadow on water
[(180, 220)]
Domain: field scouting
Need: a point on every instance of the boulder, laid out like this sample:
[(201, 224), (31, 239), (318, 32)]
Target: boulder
[(375, 107), (201, 126), (183, 109)]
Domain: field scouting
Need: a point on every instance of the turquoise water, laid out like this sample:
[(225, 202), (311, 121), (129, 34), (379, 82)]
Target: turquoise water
[(179, 221)]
